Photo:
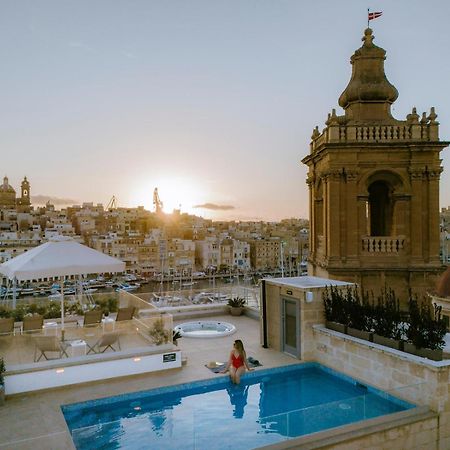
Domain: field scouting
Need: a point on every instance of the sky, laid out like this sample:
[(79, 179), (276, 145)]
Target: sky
[(212, 102)]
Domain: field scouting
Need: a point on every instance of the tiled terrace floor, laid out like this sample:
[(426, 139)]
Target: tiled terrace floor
[(34, 421)]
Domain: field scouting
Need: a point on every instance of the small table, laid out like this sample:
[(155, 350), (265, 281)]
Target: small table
[(50, 329), (108, 324), (76, 348)]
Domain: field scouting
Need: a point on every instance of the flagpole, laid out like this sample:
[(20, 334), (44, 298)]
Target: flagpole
[(368, 11)]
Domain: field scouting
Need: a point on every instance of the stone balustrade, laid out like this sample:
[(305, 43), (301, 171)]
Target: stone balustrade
[(383, 244), (377, 133)]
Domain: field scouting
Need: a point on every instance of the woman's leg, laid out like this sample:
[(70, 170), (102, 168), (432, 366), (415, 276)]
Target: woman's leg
[(238, 373), (233, 373)]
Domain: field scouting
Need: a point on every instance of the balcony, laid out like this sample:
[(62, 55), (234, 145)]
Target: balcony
[(383, 244)]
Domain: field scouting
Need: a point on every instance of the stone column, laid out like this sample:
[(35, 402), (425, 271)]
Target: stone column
[(416, 228), (433, 215)]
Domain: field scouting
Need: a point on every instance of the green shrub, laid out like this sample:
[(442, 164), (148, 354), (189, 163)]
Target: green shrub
[(158, 333), (107, 305), (387, 316), (426, 328), (236, 302), (5, 312)]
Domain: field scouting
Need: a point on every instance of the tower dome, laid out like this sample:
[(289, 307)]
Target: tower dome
[(369, 95)]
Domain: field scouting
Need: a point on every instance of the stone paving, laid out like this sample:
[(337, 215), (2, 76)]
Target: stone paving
[(35, 421)]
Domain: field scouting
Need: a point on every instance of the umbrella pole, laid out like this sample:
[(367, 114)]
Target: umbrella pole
[(14, 302), (62, 307)]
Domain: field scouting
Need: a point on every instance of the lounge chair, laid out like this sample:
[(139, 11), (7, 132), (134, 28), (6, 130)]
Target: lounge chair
[(107, 340), (92, 318), (51, 344), (125, 313), (32, 323), (6, 326)]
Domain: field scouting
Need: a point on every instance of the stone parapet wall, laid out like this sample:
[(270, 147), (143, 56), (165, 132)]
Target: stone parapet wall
[(416, 436)]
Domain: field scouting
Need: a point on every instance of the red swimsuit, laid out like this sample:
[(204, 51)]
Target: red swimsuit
[(237, 361)]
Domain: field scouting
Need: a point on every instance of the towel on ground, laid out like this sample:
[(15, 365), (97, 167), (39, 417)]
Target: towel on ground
[(217, 367)]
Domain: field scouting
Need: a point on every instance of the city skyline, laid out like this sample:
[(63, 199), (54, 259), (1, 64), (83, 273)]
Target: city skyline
[(212, 103)]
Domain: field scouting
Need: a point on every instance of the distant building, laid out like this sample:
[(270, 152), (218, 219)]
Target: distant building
[(9, 200)]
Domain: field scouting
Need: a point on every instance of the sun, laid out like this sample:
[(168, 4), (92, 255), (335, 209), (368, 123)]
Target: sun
[(174, 193)]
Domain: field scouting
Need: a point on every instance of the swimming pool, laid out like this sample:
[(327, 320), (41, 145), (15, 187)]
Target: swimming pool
[(269, 406)]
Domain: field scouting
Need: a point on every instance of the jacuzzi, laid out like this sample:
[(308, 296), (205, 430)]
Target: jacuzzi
[(205, 329)]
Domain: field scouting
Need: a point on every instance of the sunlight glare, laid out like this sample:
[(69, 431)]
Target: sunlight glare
[(175, 193)]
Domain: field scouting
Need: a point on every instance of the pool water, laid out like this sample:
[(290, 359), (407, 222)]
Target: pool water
[(268, 406)]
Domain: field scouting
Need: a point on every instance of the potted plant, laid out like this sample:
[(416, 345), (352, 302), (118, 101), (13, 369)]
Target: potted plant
[(158, 333), (335, 309), (236, 305), (2, 381), (387, 321), (175, 336), (426, 331), (360, 315)]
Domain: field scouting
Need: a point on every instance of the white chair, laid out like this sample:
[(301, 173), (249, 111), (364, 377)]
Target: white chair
[(107, 340)]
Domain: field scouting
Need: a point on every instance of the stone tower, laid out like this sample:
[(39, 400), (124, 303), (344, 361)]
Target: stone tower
[(374, 187), (24, 202)]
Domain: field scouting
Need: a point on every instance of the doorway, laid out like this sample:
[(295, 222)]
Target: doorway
[(290, 320)]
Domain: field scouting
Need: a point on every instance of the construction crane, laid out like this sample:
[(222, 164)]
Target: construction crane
[(112, 204), (158, 204)]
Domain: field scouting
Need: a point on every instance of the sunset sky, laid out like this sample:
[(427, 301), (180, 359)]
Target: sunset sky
[(213, 102)]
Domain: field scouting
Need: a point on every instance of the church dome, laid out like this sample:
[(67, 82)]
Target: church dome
[(443, 286), (6, 187), (368, 84)]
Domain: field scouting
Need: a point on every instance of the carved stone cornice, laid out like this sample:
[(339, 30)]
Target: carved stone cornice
[(310, 179), (416, 173), (352, 175), (435, 174)]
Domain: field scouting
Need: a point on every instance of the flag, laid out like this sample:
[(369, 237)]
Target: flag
[(374, 15)]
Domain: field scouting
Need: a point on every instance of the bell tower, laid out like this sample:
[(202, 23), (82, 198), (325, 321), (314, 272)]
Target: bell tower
[(374, 186), (24, 202)]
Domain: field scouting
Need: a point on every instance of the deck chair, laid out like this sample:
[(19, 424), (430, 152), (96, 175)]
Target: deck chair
[(107, 340), (125, 313), (50, 344), (7, 326), (32, 323), (92, 318)]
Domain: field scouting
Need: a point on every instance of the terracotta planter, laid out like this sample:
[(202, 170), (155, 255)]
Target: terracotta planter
[(335, 326), (236, 310), (365, 335), (434, 355), (388, 342)]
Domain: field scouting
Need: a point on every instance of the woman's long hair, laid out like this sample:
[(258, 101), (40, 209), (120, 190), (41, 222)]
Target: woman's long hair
[(239, 346)]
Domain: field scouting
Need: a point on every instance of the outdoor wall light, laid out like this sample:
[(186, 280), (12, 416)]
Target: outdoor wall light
[(309, 296)]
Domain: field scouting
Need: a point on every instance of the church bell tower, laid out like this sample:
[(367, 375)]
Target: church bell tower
[(24, 202), (374, 186)]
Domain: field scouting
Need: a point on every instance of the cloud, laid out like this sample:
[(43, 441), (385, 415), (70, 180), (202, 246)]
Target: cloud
[(214, 207), (43, 199)]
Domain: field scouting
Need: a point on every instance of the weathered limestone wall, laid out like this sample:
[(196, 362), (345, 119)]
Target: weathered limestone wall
[(414, 379), (416, 436)]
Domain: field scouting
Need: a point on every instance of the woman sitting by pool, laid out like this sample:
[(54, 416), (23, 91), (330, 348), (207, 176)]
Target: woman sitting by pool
[(237, 363)]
